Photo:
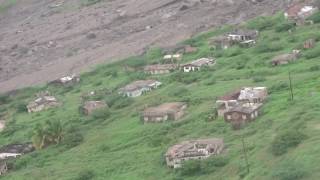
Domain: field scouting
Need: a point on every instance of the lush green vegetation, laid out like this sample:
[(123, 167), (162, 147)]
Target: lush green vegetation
[(282, 144)]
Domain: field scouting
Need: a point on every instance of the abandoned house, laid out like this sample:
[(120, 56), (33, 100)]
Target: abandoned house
[(242, 114), (192, 150), (164, 112), (198, 64), (90, 106), (299, 12), (244, 97), (3, 167), (2, 125), (285, 58), (137, 88), (159, 68), (67, 80), (15, 150), (43, 102), (309, 44), (172, 57), (220, 42), (243, 36)]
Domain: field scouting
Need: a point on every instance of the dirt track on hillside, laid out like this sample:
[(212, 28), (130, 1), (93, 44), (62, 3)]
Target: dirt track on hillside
[(41, 40)]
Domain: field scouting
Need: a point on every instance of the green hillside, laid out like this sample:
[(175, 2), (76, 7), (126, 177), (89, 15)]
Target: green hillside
[(283, 143)]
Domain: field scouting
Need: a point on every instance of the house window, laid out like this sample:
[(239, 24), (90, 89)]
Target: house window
[(228, 116), (244, 117)]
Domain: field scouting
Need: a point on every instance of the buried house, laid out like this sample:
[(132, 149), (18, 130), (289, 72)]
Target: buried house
[(193, 150), (67, 80), (12, 151), (90, 106), (198, 64), (220, 42), (137, 88), (2, 125), (285, 58), (164, 112), (43, 102), (159, 68)]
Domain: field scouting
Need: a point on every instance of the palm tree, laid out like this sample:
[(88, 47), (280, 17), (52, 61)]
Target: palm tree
[(50, 132), (54, 130), (39, 137)]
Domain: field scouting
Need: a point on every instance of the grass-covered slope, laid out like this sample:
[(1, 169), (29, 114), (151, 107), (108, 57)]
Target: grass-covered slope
[(283, 143)]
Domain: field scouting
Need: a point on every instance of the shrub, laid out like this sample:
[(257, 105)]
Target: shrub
[(258, 79), (186, 78), (85, 175), (289, 170), (315, 68), (263, 23), (286, 140), (284, 26), (21, 107), (233, 52), (101, 114), (4, 99), (268, 47), (180, 91), (190, 168), (312, 53), (72, 138), (122, 102), (280, 86), (315, 18), (89, 2)]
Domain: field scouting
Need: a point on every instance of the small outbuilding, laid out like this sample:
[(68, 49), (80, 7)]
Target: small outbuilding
[(309, 44), (43, 102), (137, 88), (193, 150), (159, 68), (2, 125), (164, 112), (90, 106), (198, 64)]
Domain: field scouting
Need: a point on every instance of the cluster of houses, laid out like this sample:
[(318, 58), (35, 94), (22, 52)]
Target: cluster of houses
[(237, 108), (241, 106)]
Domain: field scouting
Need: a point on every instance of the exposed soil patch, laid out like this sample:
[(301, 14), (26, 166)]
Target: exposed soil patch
[(41, 40)]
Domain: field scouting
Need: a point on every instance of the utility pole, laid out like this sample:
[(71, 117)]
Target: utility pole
[(245, 154), (291, 88)]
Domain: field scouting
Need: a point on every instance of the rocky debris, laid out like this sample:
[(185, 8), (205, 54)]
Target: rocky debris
[(44, 32)]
